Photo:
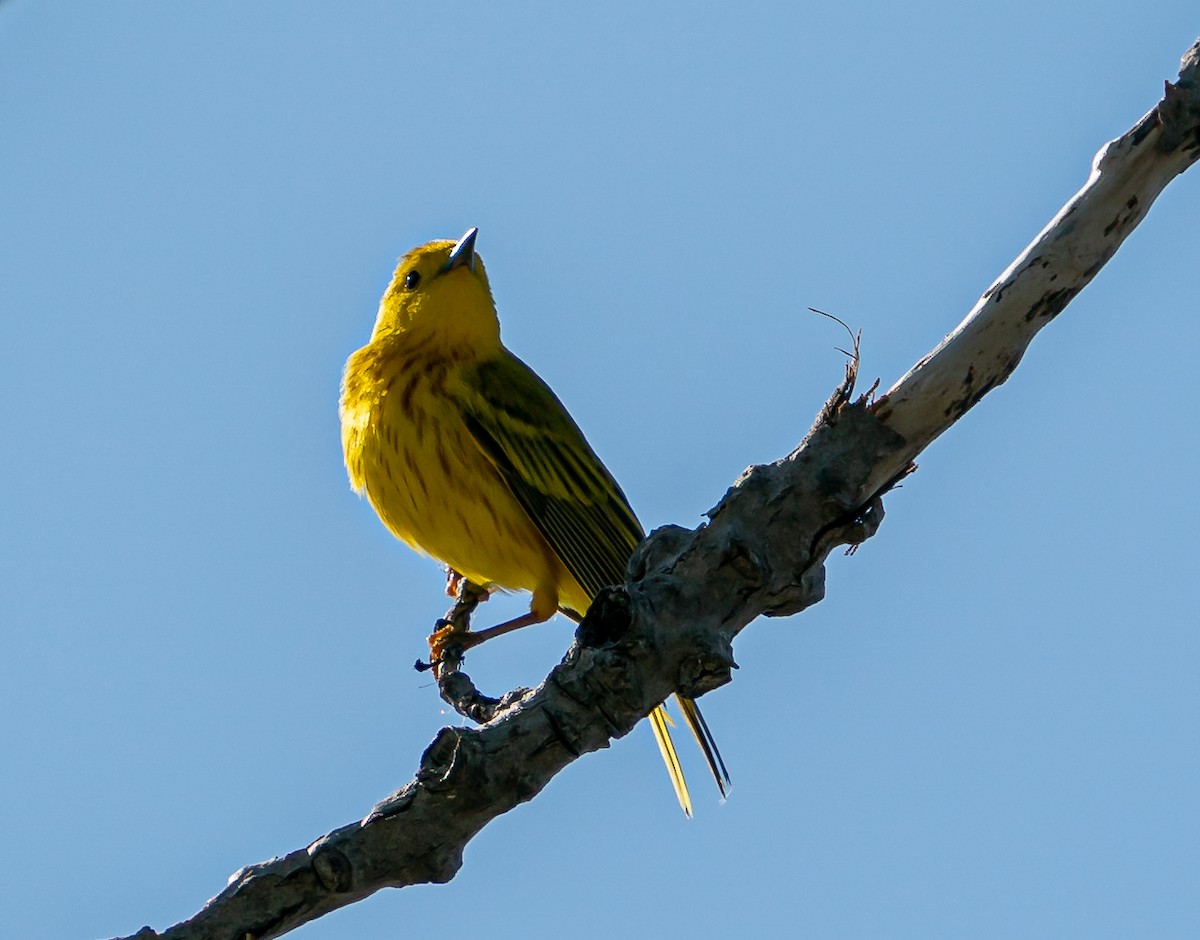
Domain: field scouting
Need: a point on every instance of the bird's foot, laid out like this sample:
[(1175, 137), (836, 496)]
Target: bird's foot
[(451, 637)]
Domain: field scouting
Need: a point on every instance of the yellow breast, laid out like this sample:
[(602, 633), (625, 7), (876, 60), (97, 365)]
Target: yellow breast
[(409, 451)]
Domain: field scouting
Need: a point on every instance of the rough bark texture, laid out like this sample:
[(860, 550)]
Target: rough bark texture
[(691, 591)]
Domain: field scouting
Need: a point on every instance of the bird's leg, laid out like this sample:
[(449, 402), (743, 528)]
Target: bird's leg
[(452, 634), (453, 580), (448, 643)]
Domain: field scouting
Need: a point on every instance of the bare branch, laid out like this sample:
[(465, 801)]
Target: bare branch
[(691, 591), (1127, 176)]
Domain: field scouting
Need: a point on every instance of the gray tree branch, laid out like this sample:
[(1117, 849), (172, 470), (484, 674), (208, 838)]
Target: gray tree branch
[(690, 592)]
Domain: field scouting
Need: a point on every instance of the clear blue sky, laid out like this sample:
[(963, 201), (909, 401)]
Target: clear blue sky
[(988, 729)]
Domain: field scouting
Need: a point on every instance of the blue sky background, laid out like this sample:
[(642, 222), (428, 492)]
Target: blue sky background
[(988, 729)]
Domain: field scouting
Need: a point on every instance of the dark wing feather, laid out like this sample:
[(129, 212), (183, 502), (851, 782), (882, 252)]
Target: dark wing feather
[(557, 478)]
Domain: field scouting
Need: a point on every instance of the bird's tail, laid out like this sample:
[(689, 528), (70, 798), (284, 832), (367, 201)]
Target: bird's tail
[(660, 722), (712, 756)]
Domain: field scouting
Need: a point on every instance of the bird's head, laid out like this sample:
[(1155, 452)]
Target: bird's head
[(440, 295)]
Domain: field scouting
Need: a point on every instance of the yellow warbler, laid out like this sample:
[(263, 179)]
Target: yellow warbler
[(468, 456)]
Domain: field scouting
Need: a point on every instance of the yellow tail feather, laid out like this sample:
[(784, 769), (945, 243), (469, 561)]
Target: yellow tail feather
[(659, 720)]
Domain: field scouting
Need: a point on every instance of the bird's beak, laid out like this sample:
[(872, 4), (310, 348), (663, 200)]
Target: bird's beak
[(463, 253)]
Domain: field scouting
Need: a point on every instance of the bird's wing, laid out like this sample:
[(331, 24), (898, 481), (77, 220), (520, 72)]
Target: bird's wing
[(541, 453), (574, 502)]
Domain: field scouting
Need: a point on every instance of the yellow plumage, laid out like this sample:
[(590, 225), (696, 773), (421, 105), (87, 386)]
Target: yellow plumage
[(468, 456)]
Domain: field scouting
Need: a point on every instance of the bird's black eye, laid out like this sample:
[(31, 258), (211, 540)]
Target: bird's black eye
[(412, 279)]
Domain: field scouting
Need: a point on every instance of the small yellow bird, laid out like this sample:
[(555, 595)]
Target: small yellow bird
[(467, 456)]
